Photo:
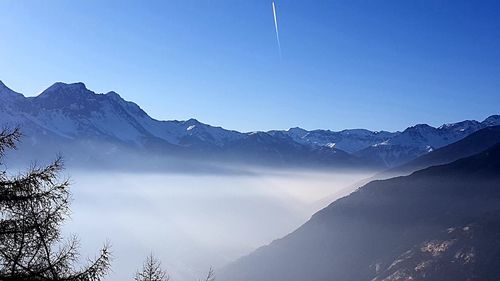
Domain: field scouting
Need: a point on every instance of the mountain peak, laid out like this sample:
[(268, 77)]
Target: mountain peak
[(76, 85), (419, 128), (297, 131), (4, 88), (60, 88), (422, 126), (114, 95), (6, 92), (192, 122), (493, 120)]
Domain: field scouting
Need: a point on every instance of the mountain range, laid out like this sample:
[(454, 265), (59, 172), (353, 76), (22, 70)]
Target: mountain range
[(73, 120), (438, 221), (468, 146)]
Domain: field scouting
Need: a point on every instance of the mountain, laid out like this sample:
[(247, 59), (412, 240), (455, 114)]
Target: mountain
[(346, 140), (440, 223), (71, 119), (422, 139), (468, 146), (81, 124), (72, 111), (390, 149)]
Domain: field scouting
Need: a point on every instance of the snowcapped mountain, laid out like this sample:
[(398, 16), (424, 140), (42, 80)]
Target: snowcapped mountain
[(72, 111), (421, 139), (391, 148), (346, 140), (70, 115)]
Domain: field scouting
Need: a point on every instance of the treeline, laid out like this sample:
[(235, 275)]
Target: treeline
[(33, 205)]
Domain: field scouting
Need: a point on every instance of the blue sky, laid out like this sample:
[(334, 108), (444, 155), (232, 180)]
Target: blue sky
[(345, 64)]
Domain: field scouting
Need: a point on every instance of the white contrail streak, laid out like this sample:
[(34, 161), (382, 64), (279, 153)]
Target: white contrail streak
[(276, 27)]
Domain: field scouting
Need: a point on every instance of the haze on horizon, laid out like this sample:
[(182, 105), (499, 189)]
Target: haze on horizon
[(345, 64)]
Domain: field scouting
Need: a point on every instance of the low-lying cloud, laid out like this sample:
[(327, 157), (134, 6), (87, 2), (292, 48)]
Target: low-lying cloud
[(194, 221)]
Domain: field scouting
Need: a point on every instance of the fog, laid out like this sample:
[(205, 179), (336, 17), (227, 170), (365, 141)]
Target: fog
[(193, 221)]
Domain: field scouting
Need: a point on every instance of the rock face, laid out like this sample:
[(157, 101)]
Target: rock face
[(440, 223)]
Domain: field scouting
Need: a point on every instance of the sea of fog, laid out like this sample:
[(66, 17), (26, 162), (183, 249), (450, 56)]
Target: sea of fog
[(193, 221)]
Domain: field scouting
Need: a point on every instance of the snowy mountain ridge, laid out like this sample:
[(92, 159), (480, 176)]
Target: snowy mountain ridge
[(71, 111)]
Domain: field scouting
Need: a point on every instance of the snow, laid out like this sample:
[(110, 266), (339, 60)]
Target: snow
[(348, 140), (83, 113)]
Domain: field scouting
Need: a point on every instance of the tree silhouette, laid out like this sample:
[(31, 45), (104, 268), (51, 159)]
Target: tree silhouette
[(32, 207), (152, 271), (210, 275)]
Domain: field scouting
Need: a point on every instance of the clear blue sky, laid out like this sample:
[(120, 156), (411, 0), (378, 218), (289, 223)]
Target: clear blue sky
[(345, 64)]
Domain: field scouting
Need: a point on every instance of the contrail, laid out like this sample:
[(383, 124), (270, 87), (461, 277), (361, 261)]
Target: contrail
[(276, 27)]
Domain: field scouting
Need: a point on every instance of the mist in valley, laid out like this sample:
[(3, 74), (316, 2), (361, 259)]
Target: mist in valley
[(194, 221)]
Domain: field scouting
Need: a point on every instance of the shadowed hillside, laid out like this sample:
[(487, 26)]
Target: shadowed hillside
[(440, 223)]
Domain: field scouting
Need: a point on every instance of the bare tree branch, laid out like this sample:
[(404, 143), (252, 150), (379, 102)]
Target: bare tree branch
[(152, 271)]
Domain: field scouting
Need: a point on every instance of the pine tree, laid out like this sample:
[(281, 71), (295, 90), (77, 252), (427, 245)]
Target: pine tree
[(32, 207), (152, 271)]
